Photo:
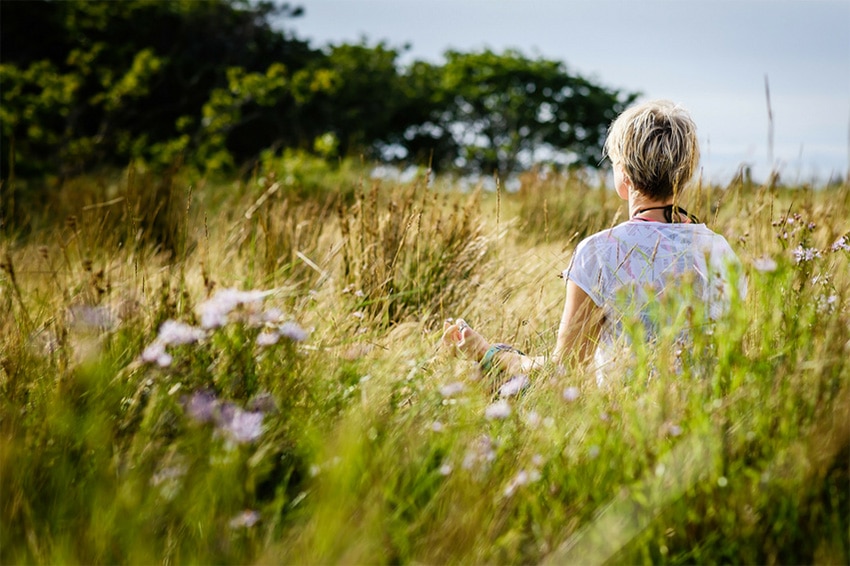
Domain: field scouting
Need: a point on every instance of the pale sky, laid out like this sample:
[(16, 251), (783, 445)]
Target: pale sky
[(711, 56)]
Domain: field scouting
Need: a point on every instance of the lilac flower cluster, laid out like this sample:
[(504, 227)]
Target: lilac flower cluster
[(841, 244), (525, 477), (171, 333), (214, 313), (237, 424), (802, 254), (791, 225), (289, 330)]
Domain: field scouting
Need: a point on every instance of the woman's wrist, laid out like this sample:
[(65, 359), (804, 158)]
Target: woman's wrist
[(487, 360)]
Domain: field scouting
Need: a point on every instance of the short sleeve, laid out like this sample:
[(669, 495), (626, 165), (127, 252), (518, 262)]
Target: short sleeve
[(585, 269)]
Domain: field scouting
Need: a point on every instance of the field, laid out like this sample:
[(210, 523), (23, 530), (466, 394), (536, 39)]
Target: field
[(249, 371)]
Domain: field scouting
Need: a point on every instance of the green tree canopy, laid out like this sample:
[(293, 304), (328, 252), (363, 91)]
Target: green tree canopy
[(218, 82)]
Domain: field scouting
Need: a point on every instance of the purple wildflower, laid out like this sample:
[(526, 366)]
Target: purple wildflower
[(156, 353), (240, 425), (215, 310), (841, 244), (201, 406), (802, 254), (174, 333), (267, 338), (571, 394), (452, 389), (498, 410), (292, 331), (513, 386)]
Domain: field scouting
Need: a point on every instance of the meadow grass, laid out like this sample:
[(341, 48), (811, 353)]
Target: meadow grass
[(156, 407)]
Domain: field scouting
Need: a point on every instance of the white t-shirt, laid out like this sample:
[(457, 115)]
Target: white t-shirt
[(627, 267)]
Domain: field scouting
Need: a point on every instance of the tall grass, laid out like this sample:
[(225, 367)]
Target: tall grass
[(152, 409)]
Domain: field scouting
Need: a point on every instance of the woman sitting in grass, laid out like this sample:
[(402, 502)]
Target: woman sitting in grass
[(621, 272)]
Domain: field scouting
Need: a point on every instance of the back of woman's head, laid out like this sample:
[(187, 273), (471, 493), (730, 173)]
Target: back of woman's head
[(656, 144)]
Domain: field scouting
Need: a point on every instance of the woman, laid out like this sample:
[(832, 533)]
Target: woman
[(620, 272)]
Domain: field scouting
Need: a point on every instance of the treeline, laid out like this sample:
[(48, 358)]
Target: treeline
[(214, 83)]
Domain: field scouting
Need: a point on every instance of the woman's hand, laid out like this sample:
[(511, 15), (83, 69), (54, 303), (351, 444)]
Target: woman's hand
[(459, 337)]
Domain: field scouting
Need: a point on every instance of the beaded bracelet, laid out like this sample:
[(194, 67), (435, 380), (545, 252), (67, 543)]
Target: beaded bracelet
[(486, 363)]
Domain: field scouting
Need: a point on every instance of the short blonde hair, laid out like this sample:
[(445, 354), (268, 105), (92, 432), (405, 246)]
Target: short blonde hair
[(656, 144)]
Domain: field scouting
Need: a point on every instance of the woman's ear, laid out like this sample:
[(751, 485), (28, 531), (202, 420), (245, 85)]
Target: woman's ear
[(622, 182)]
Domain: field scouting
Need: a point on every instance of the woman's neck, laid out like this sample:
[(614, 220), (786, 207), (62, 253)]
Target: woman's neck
[(652, 206)]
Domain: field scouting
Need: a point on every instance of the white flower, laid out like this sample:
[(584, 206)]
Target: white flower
[(155, 353), (437, 426), (245, 520), (452, 389), (267, 338), (571, 393), (520, 479), (498, 410), (513, 386), (802, 254), (445, 469), (481, 452), (764, 264), (214, 311), (292, 331), (174, 333)]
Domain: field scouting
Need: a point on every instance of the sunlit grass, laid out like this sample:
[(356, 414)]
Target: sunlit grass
[(153, 409)]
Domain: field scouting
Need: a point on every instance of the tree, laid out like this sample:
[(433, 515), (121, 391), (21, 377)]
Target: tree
[(104, 82), (504, 112)]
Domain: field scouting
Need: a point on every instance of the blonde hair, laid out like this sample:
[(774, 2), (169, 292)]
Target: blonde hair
[(656, 144)]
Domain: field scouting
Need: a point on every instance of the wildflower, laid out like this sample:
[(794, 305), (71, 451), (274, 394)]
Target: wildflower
[(86, 317), (201, 406), (174, 333), (802, 254), (841, 244), (513, 386), (532, 419), (445, 469), (452, 389), (240, 425), (437, 426), (245, 520), (267, 338), (260, 318), (519, 480), (155, 352), (498, 410), (215, 310), (764, 264), (481, 452), (571, 394), (292, 331)]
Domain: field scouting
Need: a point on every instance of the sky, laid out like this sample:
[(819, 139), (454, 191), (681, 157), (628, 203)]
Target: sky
[(712, 56)]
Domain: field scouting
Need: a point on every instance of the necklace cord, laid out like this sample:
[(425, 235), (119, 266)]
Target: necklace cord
[(669, 209)]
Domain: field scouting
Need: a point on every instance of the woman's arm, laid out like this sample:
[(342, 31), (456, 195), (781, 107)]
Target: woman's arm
[(577, 336), (579, 328)]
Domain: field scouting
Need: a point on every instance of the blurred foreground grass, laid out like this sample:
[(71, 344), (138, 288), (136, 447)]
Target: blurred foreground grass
[(155, 407)]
